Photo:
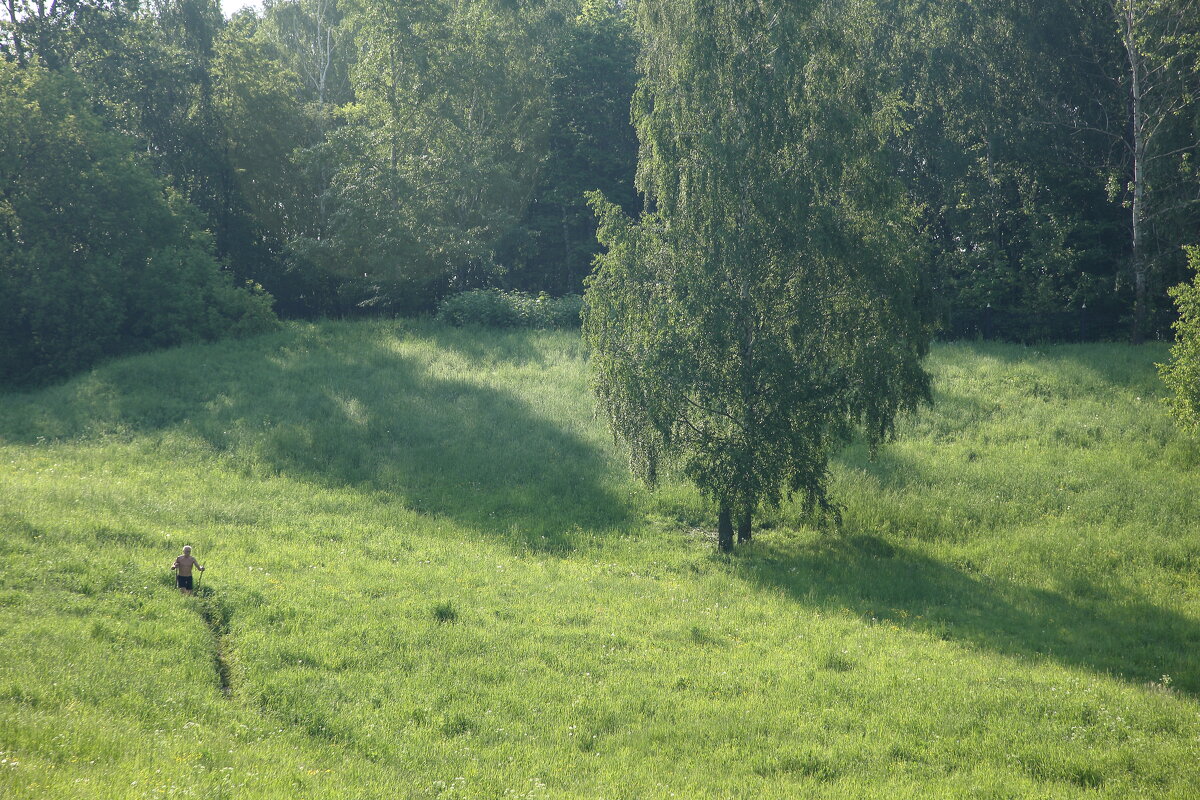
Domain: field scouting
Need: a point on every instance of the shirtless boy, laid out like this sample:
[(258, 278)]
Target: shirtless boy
[(183, 569)]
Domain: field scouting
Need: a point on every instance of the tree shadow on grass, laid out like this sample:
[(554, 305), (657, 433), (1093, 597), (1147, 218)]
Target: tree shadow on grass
[(953, 416), (1093, 629), (342, 409)]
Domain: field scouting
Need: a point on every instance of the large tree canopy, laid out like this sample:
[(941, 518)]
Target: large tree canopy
[(769, 301)]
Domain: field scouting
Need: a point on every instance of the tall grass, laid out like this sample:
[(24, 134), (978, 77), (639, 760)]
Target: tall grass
[(430, 576)]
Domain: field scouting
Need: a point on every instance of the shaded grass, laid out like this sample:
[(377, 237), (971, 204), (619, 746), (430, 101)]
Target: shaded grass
[(430, 576), (432, 421)]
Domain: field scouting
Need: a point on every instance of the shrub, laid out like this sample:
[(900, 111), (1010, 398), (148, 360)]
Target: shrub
[(1182, 372), (500, 309), (445, 613), (565, 311)]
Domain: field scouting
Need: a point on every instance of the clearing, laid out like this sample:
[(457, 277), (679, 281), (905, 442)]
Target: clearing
[(430, 575)]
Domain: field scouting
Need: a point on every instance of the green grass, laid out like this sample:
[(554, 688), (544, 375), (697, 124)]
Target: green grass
[(431, 576)]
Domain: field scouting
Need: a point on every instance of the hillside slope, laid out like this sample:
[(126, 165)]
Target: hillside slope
[(431, 576)]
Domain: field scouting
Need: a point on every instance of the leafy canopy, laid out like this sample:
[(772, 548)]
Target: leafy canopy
[(769, 301)]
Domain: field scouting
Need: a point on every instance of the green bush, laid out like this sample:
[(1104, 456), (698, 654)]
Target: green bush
[(565, 311), (1182, 372), (496, 308), (96, 257)]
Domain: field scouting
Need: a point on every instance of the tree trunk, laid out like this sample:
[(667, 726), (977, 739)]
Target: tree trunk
[(18, 45), (748, 393), (743, 533), (1138, 213), (566, 235), (724, 530)]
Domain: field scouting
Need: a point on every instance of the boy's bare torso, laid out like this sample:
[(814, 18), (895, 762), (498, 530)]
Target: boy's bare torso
[(184, 565)]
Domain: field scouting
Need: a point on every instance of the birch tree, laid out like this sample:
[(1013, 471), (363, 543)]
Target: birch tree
[(1160, 39), (1145, 55), (768, 303)]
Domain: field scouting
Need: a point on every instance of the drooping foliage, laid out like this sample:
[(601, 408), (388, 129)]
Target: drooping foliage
[(769, 301)]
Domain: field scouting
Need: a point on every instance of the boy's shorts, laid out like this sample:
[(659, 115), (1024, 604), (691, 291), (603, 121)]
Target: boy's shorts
[(183, 581)]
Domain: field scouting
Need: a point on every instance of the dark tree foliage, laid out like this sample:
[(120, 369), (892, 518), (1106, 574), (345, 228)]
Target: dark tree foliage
[(54, 32), (96, 257), (592, 146), (173, 97), (1023, 142), (218, 113), (1020, 229)]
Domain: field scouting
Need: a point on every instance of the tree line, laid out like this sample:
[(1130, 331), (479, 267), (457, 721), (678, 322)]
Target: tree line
[(360, 156), (372, 156)]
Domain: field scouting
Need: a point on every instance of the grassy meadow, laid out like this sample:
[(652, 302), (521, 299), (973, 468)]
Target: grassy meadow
[(431, 576)]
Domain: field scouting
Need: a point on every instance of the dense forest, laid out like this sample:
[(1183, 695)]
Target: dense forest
[(166, 172)]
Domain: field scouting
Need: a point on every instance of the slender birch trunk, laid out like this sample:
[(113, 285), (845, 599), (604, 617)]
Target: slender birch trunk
[(1138, 211)]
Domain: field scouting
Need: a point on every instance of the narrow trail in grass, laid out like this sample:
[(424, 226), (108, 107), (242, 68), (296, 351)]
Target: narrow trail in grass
[(215, 614)]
